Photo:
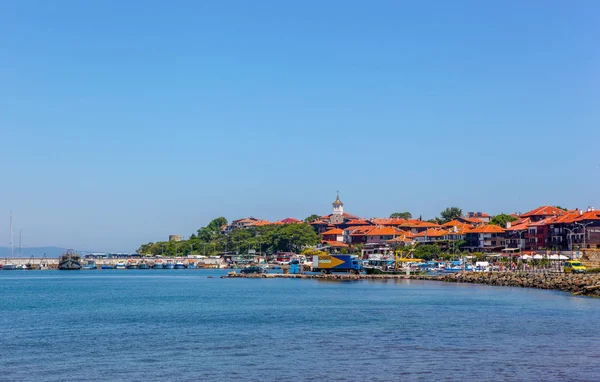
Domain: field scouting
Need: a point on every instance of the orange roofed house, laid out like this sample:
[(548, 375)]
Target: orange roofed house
[(538, 230), (482, 216), (486, 238), (575, 230), (334, 234)]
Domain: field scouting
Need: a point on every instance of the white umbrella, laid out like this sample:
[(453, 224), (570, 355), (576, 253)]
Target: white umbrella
[(538, 257), (525, 257), (563, 257)]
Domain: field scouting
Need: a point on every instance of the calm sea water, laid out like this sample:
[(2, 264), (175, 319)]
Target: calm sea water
[(181, 325)]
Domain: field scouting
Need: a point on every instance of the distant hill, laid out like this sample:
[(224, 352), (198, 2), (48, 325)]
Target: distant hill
[(33, 251)]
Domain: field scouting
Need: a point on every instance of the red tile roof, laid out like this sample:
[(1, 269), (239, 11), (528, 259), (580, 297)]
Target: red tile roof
[(488, 228), (388, 221), (588, 215), (336, 244), (335, 231), (456, 223), (357, 222), (519, 225), (289, 221), (544, 211), (432, 232), (472, 220), (262, 223), (383, 231)]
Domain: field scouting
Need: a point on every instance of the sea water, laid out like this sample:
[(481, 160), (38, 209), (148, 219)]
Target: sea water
[(183, 325)]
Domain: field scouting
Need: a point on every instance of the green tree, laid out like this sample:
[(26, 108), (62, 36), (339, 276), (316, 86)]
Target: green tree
[(294, 237), (427, 251), (401, 215), (450, 213), (212, 230), (312, 218), (561, 208), (502, 219)]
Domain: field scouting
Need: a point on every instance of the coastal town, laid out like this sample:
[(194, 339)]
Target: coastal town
[(549, 234), (543, 231)]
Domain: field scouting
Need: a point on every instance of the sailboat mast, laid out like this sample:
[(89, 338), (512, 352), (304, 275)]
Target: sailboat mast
[(11, 239)]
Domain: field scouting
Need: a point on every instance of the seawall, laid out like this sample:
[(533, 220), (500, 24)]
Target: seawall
[(577, 284)]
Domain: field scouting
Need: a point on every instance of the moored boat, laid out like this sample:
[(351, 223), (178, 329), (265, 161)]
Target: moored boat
[(107, 266), (69, 261), (9, 267), (169, 265), (179, 265), (91, 264), (158, 264), (143, 265), (120, 265), (191, 266)]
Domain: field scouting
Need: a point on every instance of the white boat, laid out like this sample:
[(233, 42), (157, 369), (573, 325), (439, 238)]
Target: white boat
[(121, 265)]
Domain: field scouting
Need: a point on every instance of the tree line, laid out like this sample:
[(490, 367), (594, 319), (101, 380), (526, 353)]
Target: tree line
[(210, 240)]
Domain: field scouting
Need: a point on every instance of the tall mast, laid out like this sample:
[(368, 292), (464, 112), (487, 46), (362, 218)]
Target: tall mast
[(11, 241)]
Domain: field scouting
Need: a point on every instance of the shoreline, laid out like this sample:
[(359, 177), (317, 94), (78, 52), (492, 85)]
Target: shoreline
[(575, 284)]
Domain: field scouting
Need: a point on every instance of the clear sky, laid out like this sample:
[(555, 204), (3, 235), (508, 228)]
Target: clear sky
[(124, 121)]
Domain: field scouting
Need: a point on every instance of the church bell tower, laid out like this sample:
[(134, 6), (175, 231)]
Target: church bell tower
[(338, 206)]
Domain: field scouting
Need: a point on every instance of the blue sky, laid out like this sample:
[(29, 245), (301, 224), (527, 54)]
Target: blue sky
[(123, 122)]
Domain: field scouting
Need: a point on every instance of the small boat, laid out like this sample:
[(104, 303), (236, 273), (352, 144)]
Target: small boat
[(91, 264), (191, 266), (143, 265), (9, 267), (132, 266), (107, 266), (179, 265), (69, 261), (158, 264), (121, 265), (169, 265), (381, 271)]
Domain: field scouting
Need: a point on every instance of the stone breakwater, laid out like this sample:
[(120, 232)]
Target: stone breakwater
[(577, 284), (580, 284)]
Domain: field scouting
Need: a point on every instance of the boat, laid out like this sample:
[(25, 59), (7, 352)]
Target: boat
[(131, 265), (91, 264), (107, 266), (179, 265), (143, 265), (9, 267), (169, 265), (69, 261), (191, 266), (120, 265), (371, 270), (158, 264)]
